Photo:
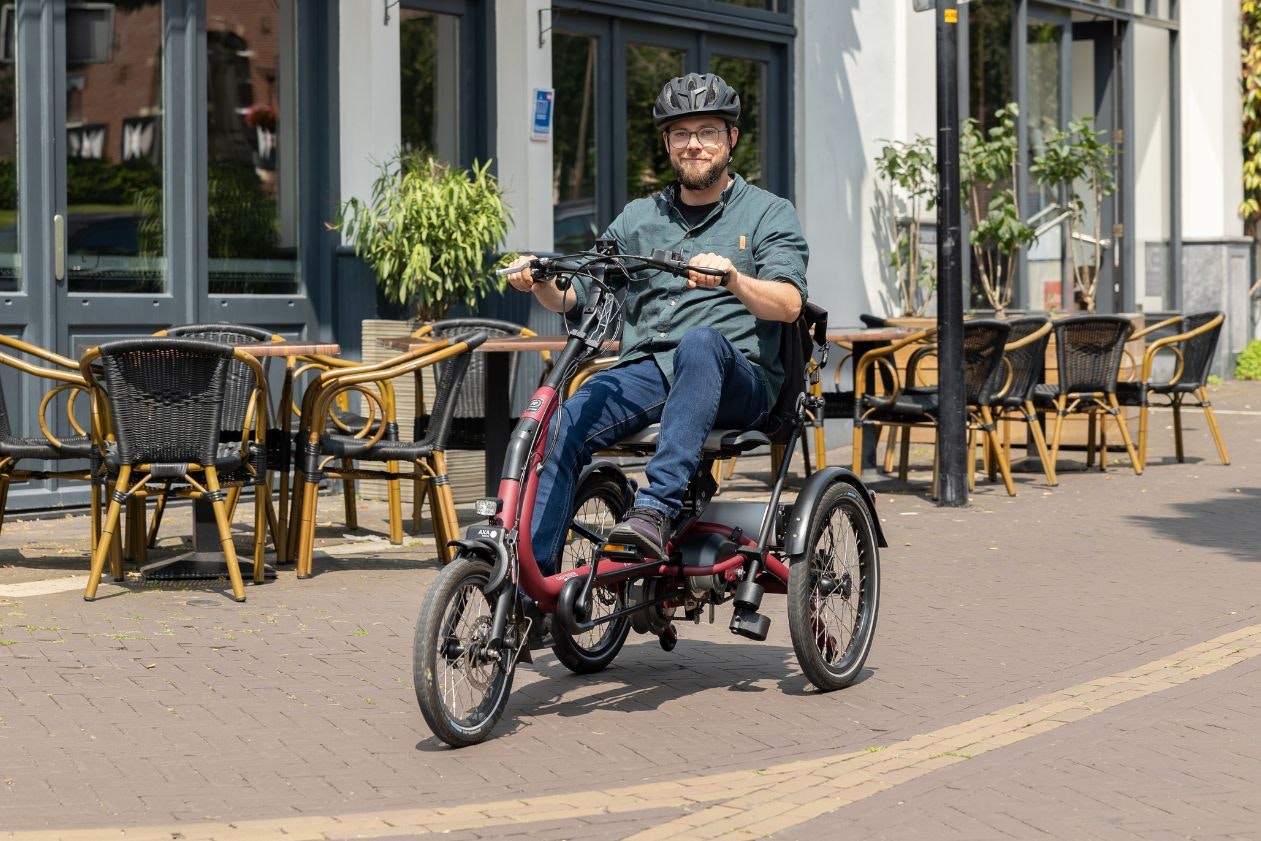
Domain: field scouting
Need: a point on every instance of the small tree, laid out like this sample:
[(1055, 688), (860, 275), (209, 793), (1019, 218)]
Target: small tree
[(1250, 93), (1073, 159), (987, 174), (429, 232), (911, 172)]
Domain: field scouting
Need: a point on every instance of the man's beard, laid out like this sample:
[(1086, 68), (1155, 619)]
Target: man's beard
[(707, 177)]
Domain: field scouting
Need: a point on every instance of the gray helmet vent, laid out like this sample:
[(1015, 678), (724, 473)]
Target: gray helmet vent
[(696, 95)]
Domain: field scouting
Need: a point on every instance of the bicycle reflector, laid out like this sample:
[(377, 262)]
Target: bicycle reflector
[(488, 506)]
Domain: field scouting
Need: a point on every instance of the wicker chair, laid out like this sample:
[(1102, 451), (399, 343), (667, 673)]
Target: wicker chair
[(1192, 349), (1024, 359), (1088, 352), (66, 382), (380, 443), (909, 405), (158, 408), (237, 401)]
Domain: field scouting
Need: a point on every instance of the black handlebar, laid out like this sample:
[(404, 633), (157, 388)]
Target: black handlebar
[(629, 263)]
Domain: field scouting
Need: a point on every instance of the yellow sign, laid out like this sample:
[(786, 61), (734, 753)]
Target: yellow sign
[(950, 15)]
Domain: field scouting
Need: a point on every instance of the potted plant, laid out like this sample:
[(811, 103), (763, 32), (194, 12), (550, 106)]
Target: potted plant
[(987, 174), (1073, 159), (910, 172), (429, 232)]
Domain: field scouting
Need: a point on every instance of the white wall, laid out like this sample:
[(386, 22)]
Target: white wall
[(368, 93), (525, 165), (865, 74), (1212, 157)]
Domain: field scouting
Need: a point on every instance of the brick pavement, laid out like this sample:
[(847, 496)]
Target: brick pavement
[(175, 710)]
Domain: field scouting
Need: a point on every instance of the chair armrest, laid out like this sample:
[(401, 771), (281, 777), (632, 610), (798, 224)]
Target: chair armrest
[(1178, 338), (69, 383), (878, 356), (40, 353), (1152, 328)]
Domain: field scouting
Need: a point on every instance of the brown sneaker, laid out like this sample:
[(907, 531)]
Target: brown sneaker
[(647, 529)]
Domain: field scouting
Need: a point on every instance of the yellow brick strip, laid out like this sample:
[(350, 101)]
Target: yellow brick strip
[(753, 803)]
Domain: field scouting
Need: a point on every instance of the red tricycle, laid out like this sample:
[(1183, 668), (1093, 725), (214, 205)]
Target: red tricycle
[(492, 605)]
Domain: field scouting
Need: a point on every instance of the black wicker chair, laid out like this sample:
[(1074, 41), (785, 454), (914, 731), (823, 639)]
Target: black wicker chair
[(908, 406), (1192, 349), (158, 408), (18, 451), (426, 455), (1088, 353), (1024, 361)]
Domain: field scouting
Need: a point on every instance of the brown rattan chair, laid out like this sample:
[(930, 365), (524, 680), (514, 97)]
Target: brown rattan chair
[(1024, 359), (1088, 351), (379, 443), (158, 408), (1192, 349), (48, 455)]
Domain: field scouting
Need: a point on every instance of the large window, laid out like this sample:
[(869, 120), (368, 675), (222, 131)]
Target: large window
[(574, 58), (10, 265), (429, 105), (1151, 148), (648, 166), (252, 184)]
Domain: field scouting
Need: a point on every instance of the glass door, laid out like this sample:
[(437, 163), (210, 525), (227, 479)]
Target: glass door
[(1048, 39)]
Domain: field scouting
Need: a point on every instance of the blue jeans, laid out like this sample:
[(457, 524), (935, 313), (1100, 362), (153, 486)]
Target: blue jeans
[(714, 386)]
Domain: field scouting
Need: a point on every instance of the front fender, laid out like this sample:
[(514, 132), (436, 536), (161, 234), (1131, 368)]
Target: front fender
[(490, 550), (813, 490)]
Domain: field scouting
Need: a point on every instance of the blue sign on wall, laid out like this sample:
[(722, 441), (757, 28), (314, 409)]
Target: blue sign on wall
[(541, 125)]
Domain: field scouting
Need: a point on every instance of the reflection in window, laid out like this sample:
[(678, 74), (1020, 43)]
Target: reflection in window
[(114, 228), (10, 266), (574, 144), (428, 84), (1046, 271), (648, 166), (251, 185), (1150, 147), (769, 5), (989, 59), (748, 77)]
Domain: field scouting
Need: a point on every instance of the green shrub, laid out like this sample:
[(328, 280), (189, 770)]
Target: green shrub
[(1248, 365)]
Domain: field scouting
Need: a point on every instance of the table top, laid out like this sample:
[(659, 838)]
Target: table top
[(501, 344), (867, 334), (290, 348)]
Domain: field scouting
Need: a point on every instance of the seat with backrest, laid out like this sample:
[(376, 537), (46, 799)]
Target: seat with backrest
[(911, 405), (24, 457), (1088, 352), (1191, 350), (1024, 361), (426, 455), (158, 408)]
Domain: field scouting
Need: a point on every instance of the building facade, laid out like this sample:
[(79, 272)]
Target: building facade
[(177, 161)]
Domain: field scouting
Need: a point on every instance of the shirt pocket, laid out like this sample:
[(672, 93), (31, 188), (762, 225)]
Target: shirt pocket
[(727, 244)]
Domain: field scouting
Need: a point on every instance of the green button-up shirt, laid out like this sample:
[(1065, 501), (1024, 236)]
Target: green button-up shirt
[(761, 235)]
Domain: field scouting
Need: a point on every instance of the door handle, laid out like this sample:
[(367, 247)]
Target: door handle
[(59, 248)]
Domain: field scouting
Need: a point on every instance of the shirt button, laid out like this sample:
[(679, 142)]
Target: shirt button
[(661, 335), (673, 302)]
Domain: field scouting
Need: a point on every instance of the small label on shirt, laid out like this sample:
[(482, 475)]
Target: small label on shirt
[(741, 242)]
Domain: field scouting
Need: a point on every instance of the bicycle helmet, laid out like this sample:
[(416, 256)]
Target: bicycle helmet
[(695, 95)]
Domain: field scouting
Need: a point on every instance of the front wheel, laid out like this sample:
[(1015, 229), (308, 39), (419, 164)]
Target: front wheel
[(462, 687), (834, 590), (599, 504)]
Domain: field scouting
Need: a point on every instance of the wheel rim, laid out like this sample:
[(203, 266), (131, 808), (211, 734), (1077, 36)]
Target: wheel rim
[(838, 577), (596, 514), (467, 681)]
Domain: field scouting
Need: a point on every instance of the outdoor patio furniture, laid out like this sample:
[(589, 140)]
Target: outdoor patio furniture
[(1191, 352), (379, 443), (1088, 350), (1024, 360), (158, 409)]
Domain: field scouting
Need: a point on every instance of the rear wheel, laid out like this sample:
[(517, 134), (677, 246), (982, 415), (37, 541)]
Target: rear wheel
[(462, 688), (601, 501), (834, 590)]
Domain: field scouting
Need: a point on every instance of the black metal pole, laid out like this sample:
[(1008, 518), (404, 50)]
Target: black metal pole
[(951, 426)]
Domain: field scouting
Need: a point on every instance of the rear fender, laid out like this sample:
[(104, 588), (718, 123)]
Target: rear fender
[(818, 483), (612, 471)]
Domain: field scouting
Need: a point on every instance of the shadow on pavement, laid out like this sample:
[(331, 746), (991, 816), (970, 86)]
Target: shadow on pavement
[(1227, 523)]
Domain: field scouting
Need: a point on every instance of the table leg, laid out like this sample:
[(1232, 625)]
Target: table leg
[(871, 437), (206, 561), (498, 408)]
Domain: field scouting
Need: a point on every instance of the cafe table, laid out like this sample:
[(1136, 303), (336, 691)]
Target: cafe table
[(206, 558), (862, 340)]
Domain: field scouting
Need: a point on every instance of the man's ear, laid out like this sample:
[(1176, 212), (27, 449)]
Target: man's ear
[(665, 141), (734, 134)]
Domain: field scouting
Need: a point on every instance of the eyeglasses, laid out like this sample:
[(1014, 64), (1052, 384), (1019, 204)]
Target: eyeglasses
[(680, 138)]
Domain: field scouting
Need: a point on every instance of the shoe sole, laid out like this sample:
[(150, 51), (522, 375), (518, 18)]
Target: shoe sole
[(632, 538)]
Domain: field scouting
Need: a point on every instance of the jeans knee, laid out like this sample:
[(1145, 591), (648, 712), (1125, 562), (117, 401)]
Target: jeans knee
[(701, 342)]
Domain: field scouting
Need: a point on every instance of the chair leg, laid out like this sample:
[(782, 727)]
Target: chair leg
[(105, 544), (1208, 416), (1039, 441), (820, 448), (348, 494), (445, 522), (274, 520), (856, 458), (997, 454), (225, 533), (282, 518), (1091, 434), (890, 444), (904, 450), (293, 525), (418, 492), (1059, 429), (140, 538), (1142, 433), (305, 542), (777, 456), (233, 496), (94, 500), (159, 508), (805, 456), (5, 480), (394, 497), (729, 468), (1103, 444), (1177, 430), (1125, 435), (263, 514)]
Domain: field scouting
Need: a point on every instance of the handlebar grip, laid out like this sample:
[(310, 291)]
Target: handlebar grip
[(710, 272)]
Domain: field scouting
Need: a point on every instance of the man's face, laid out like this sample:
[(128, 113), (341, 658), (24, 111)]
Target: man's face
[(700, 150)]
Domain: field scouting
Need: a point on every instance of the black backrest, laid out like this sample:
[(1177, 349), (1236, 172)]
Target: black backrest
[(451, 382), (470, 400), (166, 397), (1198, 352), (983, 340), (1088, 350), (1026, 363), (797, 343)]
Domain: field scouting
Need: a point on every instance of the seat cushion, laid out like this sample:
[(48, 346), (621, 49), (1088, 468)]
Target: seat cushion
[(722, 443), (76, 446)]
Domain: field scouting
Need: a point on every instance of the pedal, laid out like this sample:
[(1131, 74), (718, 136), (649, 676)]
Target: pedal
[(621, 552), (750, 624)]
